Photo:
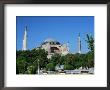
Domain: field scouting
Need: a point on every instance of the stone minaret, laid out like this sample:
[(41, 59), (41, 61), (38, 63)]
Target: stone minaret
[(25, 39), (67, 46), (79, 44)]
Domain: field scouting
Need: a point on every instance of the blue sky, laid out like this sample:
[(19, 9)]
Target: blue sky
[(61, 28)]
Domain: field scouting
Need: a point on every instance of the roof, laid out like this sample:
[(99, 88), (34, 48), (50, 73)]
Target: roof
[(51, 41)]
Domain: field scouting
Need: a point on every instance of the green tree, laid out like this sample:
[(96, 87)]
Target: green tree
[(21, 65), (27, 61), (90, 41), (69, 63), (50, 67), (31, 69), (56, 59), (90, 54)]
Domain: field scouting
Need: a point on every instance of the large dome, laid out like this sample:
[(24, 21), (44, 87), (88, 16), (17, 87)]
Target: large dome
[(51, 41)]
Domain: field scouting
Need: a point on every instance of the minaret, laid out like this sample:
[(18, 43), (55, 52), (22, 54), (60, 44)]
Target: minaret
[(79, 44), (67, 45), (25, 39)]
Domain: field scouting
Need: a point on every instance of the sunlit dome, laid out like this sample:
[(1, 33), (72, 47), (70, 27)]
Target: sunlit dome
[(51, 41)]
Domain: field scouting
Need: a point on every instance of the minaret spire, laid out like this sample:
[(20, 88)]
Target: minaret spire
[(25, 39), (79, 44)]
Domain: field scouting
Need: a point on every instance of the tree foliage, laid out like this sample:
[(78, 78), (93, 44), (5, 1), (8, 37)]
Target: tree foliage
[(50, 67), (90, 42), (27, 61)]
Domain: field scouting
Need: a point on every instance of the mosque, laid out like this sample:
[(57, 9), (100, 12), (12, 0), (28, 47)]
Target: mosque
[(52, 46)]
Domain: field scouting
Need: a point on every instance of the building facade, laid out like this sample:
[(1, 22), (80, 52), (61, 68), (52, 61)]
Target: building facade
[(54, 47)]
